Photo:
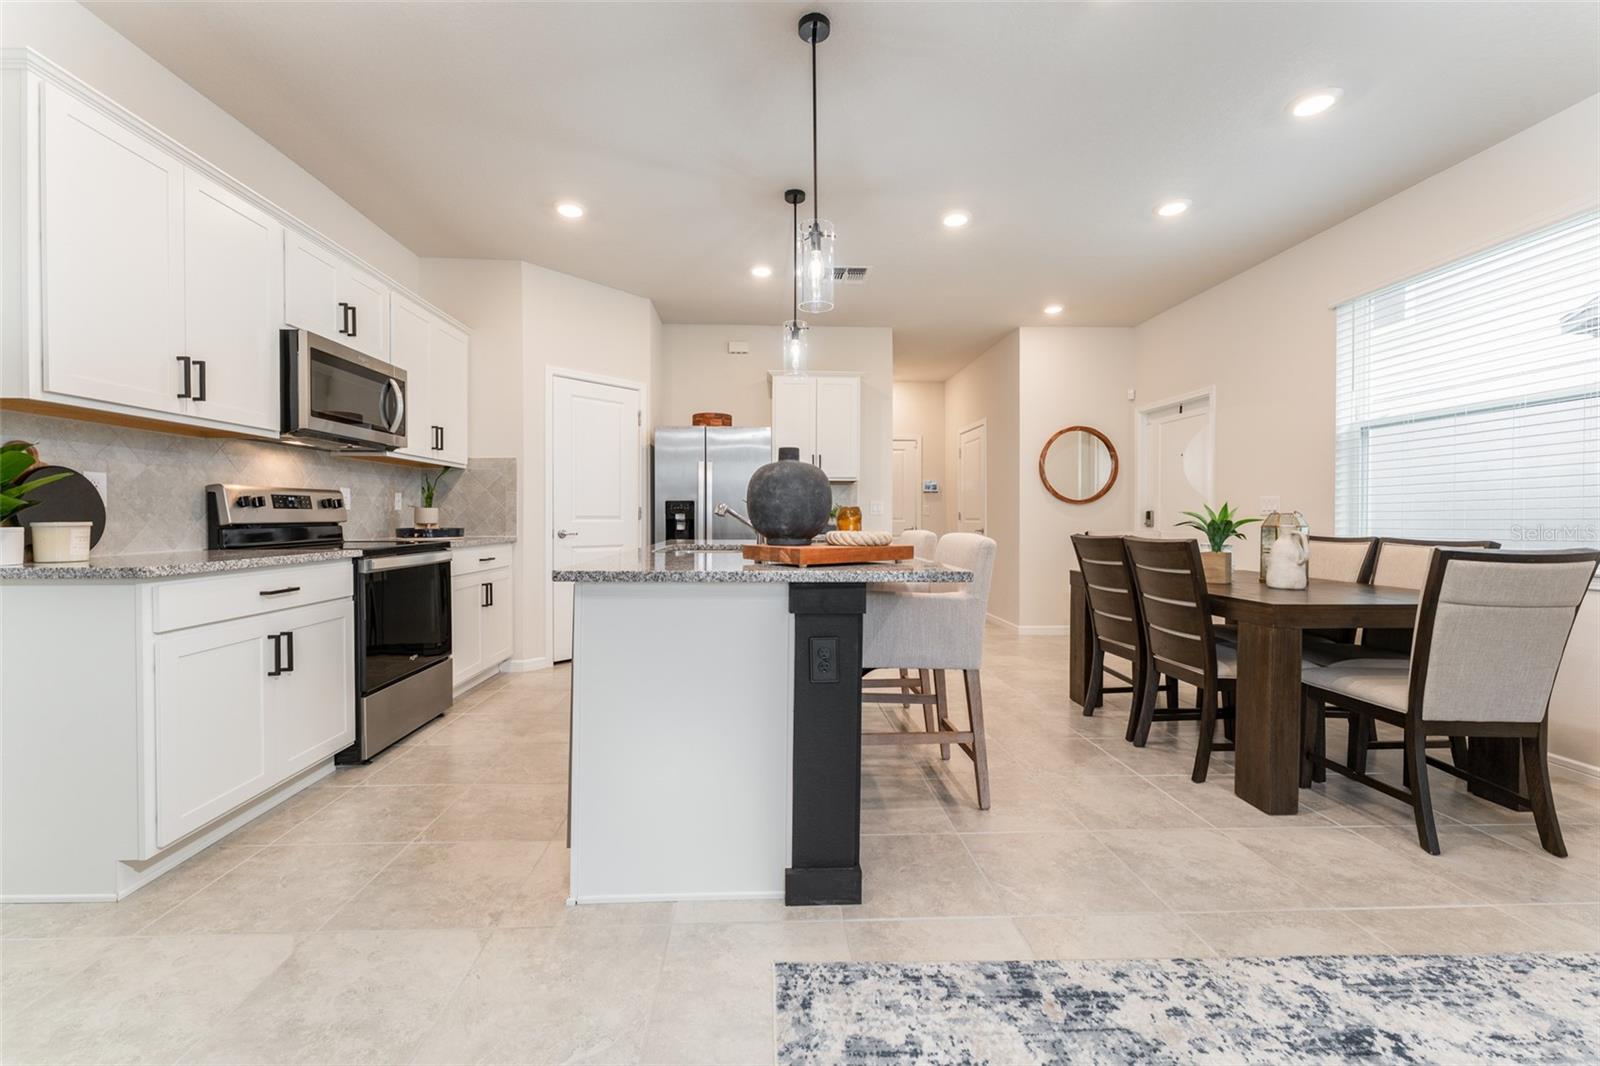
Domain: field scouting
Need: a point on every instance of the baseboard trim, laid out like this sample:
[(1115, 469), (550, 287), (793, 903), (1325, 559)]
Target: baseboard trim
[(1028, 631), (524, 666), (1573, 766)]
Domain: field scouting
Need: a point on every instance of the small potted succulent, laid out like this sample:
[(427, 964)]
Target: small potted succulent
[(427, 516), (1220, 527), (17, 457)]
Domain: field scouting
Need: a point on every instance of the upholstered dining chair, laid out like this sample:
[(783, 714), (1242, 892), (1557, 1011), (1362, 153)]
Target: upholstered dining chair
[(1491, 631), (1116, 629), (1338, 559), (936, 632), (1180, 639), (923, 542)]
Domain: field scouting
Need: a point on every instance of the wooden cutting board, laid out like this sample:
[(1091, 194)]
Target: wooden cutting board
[(826, 554)]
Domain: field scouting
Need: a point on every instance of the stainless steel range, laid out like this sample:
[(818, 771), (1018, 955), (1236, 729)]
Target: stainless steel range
[(403, 671)]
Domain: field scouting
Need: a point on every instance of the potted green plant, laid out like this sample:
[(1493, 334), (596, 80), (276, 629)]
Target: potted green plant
[(427, 516), (17, 457), (1219, 526)]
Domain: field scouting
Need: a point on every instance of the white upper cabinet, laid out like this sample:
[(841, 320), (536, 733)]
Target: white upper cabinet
[(820, 414), (111, 260), (231, 298), (332, 297), (433, 354)]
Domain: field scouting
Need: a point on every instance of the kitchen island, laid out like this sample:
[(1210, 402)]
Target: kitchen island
[(716, 725)]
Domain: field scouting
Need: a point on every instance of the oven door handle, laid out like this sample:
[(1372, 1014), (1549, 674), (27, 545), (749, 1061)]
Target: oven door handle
[(401, 562)]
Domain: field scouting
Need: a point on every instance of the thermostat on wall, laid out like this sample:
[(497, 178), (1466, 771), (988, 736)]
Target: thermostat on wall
[(930, 486), (738, 347)]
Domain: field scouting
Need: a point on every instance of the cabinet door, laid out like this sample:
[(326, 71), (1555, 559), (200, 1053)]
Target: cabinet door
[(496, 618), (447, 387), (312, 711), (794, 415), (369, 311), (410, 329), (233, 275), (111, 262), (212, 726), (839, 427), (466, 626), (311, 287)]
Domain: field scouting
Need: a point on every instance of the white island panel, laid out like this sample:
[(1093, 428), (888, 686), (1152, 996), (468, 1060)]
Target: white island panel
[(682, 703)]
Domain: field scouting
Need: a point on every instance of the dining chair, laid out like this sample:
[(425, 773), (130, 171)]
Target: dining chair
[(1338, 559), (923, 542), (1492, 628), (1115, 627), (936, 632), (1180, 638)]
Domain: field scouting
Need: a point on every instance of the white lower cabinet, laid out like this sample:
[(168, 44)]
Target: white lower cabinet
[(480, 610)]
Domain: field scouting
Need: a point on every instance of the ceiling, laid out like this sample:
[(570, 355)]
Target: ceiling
[(457, 127)]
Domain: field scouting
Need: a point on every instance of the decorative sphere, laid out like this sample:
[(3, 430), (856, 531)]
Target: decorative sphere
[(789, 500)]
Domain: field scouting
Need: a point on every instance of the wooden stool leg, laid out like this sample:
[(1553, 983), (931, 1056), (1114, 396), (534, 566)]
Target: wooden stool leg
[(980, 750), (1416, 761), (905, 680), (1543, 800), (941, 706), (930, 720), (1208, 729)]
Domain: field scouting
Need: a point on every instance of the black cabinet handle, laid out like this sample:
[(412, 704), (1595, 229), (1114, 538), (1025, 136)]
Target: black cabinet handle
[(201, 365), (280, 592), (277, 655), (355, 321), (487, 559), (187, 366), (288, 639), (344, 318), (441, 438), (491, 594)]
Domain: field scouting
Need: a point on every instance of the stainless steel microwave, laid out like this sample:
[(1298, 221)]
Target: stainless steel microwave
[(337, 398)]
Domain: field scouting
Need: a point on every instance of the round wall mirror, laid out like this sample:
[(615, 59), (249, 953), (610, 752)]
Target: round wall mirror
[(1078, 464)]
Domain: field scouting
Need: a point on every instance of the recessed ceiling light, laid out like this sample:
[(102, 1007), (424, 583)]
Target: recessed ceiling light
[(1315, 103), (1053, 309), (761, 270), (957, 219), (569, 209), (1172, 208)]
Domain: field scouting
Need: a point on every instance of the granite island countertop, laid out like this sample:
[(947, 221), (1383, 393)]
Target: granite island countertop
[(720, 563)]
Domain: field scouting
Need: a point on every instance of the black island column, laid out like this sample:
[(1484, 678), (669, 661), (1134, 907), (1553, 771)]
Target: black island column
[(826, 848)]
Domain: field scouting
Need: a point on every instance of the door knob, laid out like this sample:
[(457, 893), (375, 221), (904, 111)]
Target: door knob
[(565, 533)]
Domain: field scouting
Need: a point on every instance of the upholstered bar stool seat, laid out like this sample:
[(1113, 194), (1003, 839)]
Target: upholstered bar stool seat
[(923, 543), (932, 632)]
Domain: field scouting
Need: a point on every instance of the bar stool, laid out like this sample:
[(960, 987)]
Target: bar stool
[(935, 632), (923, 543)]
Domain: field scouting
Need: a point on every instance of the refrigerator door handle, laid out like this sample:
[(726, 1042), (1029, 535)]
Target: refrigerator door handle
[(702, 514), (711, 500)]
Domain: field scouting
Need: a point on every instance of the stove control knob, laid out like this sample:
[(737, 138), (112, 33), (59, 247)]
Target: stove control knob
[(258, 501), (242, 501)]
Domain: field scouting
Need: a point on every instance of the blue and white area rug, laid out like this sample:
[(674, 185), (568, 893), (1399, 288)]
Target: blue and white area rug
[(1318, 1009)]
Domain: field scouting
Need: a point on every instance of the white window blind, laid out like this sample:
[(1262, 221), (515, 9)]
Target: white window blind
[(1468, 399)]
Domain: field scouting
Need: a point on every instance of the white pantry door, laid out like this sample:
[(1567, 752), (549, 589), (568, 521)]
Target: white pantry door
[(972, 479), (1177, 444), (594, 471), (907, 485)]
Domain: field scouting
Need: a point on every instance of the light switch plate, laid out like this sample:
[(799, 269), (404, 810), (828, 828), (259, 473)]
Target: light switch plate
[(1269, 504), (738, 347), (876, 507)]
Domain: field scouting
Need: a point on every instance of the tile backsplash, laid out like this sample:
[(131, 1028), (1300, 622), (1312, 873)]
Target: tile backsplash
[(155, 482)]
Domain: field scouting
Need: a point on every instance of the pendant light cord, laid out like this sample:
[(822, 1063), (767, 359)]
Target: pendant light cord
[(794, 267), (816, 199)]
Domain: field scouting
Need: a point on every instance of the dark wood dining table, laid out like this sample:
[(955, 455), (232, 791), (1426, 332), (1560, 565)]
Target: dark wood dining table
[(1269, 754)]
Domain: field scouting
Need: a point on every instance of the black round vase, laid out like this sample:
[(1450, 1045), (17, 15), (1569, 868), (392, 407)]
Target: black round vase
[(789, 500)]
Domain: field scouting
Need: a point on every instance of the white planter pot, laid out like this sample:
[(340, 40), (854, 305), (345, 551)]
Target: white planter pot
[(60, 542), (11, 543), (425, 517)]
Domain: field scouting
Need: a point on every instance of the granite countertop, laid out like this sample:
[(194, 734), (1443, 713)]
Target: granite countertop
[(722, 564), (149, 565), (477, 541)]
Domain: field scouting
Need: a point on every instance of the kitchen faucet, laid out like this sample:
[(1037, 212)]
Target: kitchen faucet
[(722, 510)]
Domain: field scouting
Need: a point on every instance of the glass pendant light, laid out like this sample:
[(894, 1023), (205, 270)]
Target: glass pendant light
[(796, 334), (814, 240)]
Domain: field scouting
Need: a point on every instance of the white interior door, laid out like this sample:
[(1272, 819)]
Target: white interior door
[(1176, 447), (596, 507), (972, 479), (907, 484)]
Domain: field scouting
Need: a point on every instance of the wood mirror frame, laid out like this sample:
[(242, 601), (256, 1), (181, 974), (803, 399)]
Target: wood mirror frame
[(1111, 449)]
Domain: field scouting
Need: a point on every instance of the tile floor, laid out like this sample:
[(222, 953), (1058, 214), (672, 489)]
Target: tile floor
[(413, 910)]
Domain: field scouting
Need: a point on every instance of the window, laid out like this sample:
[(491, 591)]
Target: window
[(1468, 399)]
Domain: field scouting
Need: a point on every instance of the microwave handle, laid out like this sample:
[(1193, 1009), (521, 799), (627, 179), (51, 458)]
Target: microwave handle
[(399, 404)]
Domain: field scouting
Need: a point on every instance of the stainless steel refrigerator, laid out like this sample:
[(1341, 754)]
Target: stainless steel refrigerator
[(698, 467)]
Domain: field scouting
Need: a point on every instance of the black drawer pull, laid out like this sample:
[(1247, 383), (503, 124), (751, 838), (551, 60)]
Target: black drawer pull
[(280, 592), (487, 559), (277, 654)]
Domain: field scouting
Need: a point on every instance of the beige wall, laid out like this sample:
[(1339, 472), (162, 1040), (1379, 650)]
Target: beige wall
[(696, 373), (72, 38), (1265, 340), (1069, 376), (988, 388), (919, 413)]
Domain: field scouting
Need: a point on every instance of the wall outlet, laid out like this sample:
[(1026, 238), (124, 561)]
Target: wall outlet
[(738, 347), (1269, 504), (399, 504), (824, 660), (345, 492), (97, 478)]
